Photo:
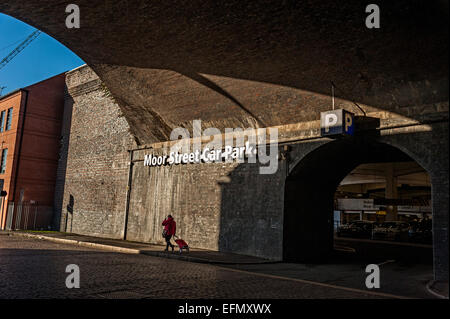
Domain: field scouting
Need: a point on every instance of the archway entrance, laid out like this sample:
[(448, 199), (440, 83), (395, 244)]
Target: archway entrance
[(318, 182), (396, 195)]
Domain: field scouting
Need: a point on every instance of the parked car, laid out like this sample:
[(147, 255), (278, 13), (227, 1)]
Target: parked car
[(394, 230), (356, 229), (420, 232)]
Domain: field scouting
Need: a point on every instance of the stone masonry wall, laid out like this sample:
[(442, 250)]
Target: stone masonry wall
[(218, 206), (93, 164)]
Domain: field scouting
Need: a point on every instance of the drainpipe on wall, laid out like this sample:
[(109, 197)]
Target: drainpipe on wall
[(127, 204), (20, 145)]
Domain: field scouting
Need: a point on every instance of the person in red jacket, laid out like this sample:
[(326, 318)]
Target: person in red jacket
[(170, 227)]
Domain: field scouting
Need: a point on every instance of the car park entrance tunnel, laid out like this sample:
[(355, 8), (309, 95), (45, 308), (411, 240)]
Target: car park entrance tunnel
[(310, 189), (313, 179)]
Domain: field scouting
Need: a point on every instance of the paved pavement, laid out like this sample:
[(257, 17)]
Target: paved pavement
[(31, 268), (396, 278), (195, 254), (405, 269)]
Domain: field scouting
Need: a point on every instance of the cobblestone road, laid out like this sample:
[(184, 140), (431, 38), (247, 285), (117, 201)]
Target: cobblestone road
[(32, 268)]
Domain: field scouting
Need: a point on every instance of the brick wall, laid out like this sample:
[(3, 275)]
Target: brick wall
[(93, 159)]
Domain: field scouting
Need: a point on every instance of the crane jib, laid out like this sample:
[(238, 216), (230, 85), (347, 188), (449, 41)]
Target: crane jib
[(19, 48)]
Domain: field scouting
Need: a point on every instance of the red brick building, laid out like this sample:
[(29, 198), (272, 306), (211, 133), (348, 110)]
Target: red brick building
[(30, 126)]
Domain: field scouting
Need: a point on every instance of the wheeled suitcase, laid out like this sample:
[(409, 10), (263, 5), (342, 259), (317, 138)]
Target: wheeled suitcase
[(181, 244)]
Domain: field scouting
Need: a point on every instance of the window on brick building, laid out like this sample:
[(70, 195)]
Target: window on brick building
[(3, 161), (2, 121), (9, 119)]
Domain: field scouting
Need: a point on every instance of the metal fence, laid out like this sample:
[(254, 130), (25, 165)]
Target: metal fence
[(27, 216)]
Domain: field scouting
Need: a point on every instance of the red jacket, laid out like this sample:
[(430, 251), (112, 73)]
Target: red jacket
[(170, 226)]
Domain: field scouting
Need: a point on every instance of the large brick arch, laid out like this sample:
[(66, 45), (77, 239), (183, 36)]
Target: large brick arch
[(316, 169), (259, 63)]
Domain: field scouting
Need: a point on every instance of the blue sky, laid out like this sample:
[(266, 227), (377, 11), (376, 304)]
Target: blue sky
[(43, 58)]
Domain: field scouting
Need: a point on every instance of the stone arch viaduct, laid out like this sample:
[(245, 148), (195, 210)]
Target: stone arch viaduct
[(269, 63)]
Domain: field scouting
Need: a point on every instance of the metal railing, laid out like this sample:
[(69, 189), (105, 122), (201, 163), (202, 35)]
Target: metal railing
[(27, 216)]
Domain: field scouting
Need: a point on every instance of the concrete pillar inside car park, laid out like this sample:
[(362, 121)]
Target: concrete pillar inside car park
[(391, 192)]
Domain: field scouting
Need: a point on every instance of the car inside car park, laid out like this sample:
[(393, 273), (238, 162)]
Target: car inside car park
[(418, 231), (357, 229)]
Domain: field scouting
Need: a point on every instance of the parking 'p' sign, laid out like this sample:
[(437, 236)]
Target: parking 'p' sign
[(336, 122)]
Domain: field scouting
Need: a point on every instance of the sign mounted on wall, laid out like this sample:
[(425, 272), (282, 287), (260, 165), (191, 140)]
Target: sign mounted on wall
[(336, 122)]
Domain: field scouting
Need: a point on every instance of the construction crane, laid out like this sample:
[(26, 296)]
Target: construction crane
[(19, 48)]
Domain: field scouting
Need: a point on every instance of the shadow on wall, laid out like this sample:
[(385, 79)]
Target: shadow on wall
[(251, 211), (69, 213), (62, 167)]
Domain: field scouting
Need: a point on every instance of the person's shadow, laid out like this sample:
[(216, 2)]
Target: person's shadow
[(70, 211)]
